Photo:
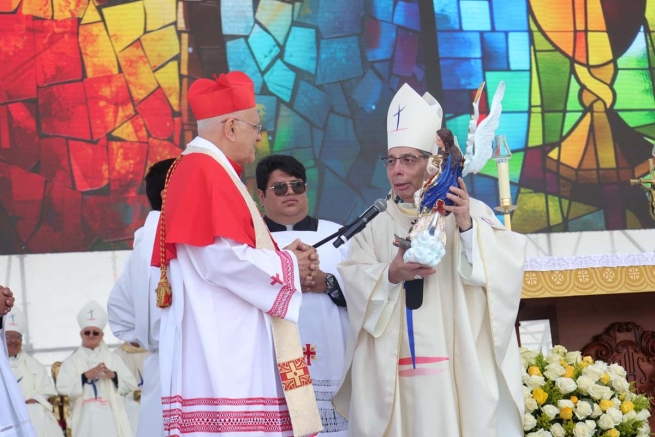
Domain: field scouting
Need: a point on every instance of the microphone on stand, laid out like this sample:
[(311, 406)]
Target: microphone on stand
[(360, 223)]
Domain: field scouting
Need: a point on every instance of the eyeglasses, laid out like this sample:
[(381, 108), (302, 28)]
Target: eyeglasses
[(90, 333), (13, 336), (258, 127), (405, 160), (281, 188)]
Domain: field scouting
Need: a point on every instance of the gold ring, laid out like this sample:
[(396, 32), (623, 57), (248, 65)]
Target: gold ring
[(312, 273)]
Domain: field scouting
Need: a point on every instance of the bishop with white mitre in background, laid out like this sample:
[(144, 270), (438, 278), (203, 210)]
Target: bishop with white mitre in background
[(451, 366), (230, 354), (32, 378), (95, 379)]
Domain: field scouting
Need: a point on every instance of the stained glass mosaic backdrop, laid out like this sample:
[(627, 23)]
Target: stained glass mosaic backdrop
[(94, 91)]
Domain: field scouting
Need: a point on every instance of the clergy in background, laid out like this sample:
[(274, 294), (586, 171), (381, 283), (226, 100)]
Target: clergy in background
[(133, 356), (451, 366), (132, 306), (94, 379), (32, 378), (323, 323), (229, 346), (14, 417)]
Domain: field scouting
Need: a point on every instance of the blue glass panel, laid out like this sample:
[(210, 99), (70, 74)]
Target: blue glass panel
[(311, 102), (338, 99), (280, 79), (394, 82), (383, 68), (340, 145), (276, 17), (494, 51), (519, 50), (340, 17), (263, 46), (267, 108), (382, 9), (368, 90), (459, 44), (308, 12), (317, 141), (419, 73), (339, 59), (406, 52), (337, 198), (475, 15), (460, 74), (447, 14), (514, 125), (379, 178), (305, 155), (517, 89), (637, 54), (484, 188), (379, 40), (240, 58), (407, 15), (510, 14), (237, 17), (456, 102), (590, 222), (292, 132), (300, 50)]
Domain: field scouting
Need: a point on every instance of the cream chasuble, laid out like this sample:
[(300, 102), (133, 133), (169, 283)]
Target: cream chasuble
[(34, 383), (97, 407), (451, 367), (323, 327)]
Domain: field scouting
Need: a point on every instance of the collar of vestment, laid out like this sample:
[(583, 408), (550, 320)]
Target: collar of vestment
[(306, 224), (206, 144)]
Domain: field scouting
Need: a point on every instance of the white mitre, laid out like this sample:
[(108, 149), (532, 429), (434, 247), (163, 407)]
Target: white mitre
[(15, 321), (92, 314), (412, 120)]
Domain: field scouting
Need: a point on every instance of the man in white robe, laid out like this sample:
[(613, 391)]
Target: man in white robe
[(32, 378), (94, 379), (451, 366), (230, 355), (14, 417), (323, 322), (132, 305)]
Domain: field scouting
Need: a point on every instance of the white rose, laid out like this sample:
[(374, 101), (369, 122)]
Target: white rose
[(563, 403), (597, 412), (557, 430), (540, 433), (573, 358), (599, 392), (583, 409), (529, 422), (602, 366), (644, 430), (621, 385), (529, 355), (581, 430), (559, 350), (554, 359), (593, 371), (551, 411), (534, 381), (531, 405), (524, 365), (615, 368), (615, 414), (584, 383), (605, 422), (643, 415), (554, 371), (617, 402), (566, 385), (591, 424), (630, 415)]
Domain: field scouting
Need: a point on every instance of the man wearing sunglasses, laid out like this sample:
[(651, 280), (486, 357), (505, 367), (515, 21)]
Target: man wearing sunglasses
[(14, 417), (229, 345), (448, 366), (282, 191)]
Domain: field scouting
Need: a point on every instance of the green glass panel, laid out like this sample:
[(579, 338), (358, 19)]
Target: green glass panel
[(460, 127), (570, 120), (312, 188), (637, 54), (554, 75), (554, 211), (634, 90), (535, 92), (517, 84), (573, 101), (558, 228), (648, 130), (553, 126), (637, 118), (536, 132), (530, 216)]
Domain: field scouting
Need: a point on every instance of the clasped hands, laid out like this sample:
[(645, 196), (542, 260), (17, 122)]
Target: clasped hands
[(6, 300), (100, 371), (312, 278)]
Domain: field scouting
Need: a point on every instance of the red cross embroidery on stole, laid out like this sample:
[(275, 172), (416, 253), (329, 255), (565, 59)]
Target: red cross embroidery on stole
[(276, 279), (309, 352), (294, 374)]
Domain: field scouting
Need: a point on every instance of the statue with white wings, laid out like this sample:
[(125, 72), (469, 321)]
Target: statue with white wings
[(427, 239)]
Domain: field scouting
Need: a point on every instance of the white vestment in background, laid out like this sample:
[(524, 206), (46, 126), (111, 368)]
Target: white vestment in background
[(97, 406), (133, 359), (34, 383), (323, 327), (134, 317), (14, 418)]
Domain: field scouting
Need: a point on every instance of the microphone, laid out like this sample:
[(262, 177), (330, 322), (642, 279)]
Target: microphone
[(360, 223)]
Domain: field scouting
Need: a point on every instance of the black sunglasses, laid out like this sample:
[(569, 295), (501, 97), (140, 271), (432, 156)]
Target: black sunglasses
[(89, 333), (281, 188)]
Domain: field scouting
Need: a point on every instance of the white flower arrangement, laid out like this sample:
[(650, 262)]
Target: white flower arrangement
[(568, 395)]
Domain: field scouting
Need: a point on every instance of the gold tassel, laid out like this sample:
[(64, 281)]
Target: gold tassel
[(164, 291)]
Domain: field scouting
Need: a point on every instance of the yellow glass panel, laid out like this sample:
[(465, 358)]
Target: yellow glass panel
[(579, 209), (125, 23), (595, 16), (604, 141), (554, 211), (159, 13), (126, 132), (161, 46), (169, 79), (599, 48), (565, 205), (91, 15), (536, 132), (530, 216), (553, 15), (184, 54), (632, 221), (589, 160), (139, 76), (580, 14), (97, 52), (181, 17), (38, 8), (572, 147), (69, 8)]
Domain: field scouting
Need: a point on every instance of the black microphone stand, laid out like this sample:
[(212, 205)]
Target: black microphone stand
[(337, 234)]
